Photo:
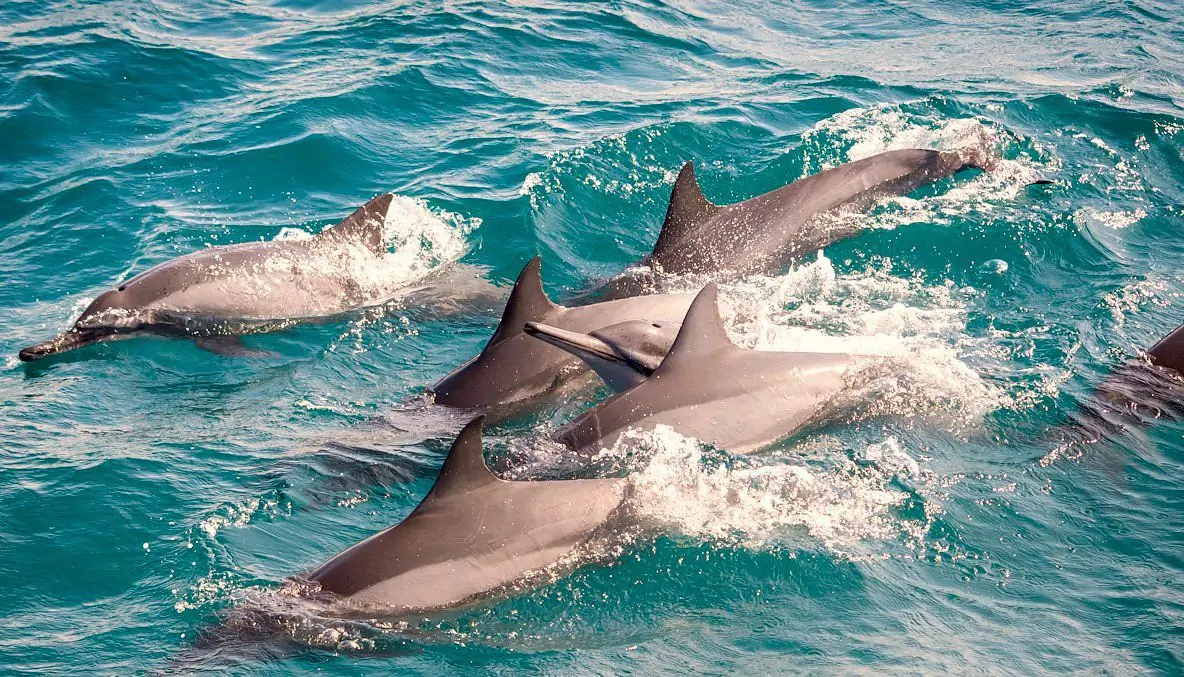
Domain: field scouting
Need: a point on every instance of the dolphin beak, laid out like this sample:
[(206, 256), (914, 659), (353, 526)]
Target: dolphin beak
[(75, 338), (573, 342)]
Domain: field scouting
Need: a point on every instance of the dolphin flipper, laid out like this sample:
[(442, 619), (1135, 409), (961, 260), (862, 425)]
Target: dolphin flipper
[(230, 346)]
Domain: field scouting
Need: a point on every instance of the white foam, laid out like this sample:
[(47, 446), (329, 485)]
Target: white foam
[(1111, 219), (240, 514), (766, 503), (1135, 296), (919, 326), (419, 239)]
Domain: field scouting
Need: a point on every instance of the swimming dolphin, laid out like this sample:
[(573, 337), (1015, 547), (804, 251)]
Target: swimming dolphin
[(476, 536), (761, 234), (216, 294), (707, 387), (514, 369), (1144, 388), (1140, 391)]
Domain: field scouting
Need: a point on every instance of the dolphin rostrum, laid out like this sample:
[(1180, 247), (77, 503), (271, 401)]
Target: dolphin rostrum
[(514, 368), (761, 234), (216, 294), (622, 355), (709, 388), (476, 536)]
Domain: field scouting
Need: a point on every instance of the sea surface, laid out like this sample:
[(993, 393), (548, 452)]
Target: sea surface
[(149, 488)]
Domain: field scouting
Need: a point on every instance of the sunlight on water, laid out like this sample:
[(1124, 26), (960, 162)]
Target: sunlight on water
[(969, 507)]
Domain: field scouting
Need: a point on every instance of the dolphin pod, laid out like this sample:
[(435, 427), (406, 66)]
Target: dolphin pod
[(665, 356), (215, 295), (514, 369), (757, 235)]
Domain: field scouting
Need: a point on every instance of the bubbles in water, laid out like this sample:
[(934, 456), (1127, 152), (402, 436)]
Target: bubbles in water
[(758, 503), (920, 326), (1117, 220)]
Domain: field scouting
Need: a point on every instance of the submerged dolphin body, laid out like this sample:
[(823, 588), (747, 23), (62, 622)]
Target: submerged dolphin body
[(216, 294), (476, 536), (1139, 390), (709, 388), (761, 234), (514, 369)]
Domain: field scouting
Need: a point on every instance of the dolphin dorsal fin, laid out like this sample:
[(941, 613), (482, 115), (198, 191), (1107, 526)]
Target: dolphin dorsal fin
[(528, 302), (688, 208), (365, 226), (464, 468), (702, 332), (1169, 351)]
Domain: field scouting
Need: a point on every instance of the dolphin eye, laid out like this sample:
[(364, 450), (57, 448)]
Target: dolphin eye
[(123, 287), (657, 326)]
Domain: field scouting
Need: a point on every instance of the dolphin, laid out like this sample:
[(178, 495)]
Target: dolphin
[(475, 536), (1140, 391), (707, 387), (514, 369), (216, 294), (1144, 388), (761, 234)]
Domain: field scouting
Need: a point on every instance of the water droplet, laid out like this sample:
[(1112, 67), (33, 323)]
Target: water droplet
[(996, 266)]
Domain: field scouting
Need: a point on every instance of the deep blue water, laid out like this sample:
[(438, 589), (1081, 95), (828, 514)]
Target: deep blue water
[(147, 486)]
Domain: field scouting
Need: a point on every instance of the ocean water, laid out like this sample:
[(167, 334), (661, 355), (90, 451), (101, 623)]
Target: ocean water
[(147, 488)]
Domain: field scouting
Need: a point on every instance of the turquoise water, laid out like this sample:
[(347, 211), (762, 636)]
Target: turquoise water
[(146, 486)]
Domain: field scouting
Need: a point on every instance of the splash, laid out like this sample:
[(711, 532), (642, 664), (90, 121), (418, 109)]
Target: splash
[(862, 132), (241, 513), (1116, 219), (846, 507), (919, 326), (419, 239)]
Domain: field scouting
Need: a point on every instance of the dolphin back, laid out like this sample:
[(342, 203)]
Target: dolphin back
[(760, 234), (475, 536)]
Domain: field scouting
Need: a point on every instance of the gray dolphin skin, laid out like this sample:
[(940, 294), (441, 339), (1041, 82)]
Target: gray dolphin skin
[(622, 355), (476, 536), (708, 388), (1140, 389), (757, 235), (216, 294), (514, 368), (761, 234), (1169, 351)]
